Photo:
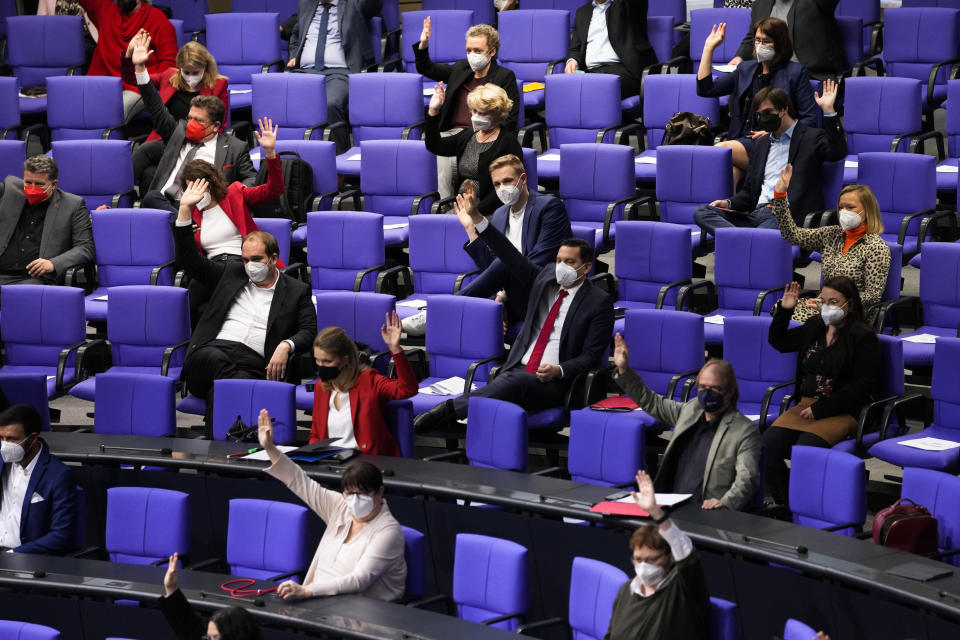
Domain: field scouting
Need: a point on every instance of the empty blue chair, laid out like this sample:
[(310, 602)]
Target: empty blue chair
[(296, 102), (322, 157), (828, 490), (146, 525), (764, 375), (724, 623), (702, 21), (27, 631), (28, 388), (10, 110), (39, 47), (869, 12), (245, 399), (940, 299), (84, 108), (43, 336), (244, 45), (266, 540), (946, 177), (99, 171), (191, 12), (447, 36), (938, 492), (483, 11), (531, 45), (490, 581), (13, 153), (345, 250), (415, 555), (606, 448), (496, 435), (796, 630), (135, 404), (570, 6)]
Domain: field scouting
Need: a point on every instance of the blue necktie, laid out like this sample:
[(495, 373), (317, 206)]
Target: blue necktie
[(321, 37)]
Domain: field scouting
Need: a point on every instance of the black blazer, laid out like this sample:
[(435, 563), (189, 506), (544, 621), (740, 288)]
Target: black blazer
[(352, 16), (454, 75), (809, 149), (292, 314), (506, 143), (813, 32), (857, 359), (180, 616), (589, 322), (627, 30), (231, 156)]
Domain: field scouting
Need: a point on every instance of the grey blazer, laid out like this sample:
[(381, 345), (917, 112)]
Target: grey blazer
[(733, 464), (352, 16), (67, 238)]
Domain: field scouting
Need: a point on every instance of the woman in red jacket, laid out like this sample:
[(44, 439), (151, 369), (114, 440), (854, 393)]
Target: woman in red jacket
[(348, 402)]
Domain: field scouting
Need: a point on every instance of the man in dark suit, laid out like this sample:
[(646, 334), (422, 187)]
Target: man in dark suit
[(565, 334), (610, 36), (256, 316), (331, 37), (196, 138), (43, 231), (38, 509), (813, 32), (479, 67), (806, 148)]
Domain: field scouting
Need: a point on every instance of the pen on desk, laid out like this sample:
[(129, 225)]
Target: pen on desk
[(243, 453)]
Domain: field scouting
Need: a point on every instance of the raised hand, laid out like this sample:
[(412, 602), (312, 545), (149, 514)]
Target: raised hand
[(267, 136), (265, 430), (425, 34), (436, 100), (829, 97), (791, 294), (170, 584), (194, 192), (621, 354), (644, 496), (716, 36), (141, 49), (390, 332), (783, 182), (466, 208)]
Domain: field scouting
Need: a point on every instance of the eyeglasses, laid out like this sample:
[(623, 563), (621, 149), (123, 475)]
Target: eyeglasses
[(767, 42), (649, 560)]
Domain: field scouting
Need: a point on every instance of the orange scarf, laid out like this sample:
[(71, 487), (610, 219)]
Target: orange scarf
[(850, 237)]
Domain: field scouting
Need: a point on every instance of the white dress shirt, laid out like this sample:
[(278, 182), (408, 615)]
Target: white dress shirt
[(218, 234), (15, 481), (246, 322), (551, 354), (333, 55), (340, 422), (514, 231), (599, 49)]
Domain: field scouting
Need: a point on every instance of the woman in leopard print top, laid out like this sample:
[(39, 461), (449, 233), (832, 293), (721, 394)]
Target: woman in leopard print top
[(854, 249)]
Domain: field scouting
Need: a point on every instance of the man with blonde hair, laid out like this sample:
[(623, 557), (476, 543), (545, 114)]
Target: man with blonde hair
[(478, 68)]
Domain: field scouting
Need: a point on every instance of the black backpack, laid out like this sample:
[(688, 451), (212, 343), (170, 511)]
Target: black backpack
[(297, 189)]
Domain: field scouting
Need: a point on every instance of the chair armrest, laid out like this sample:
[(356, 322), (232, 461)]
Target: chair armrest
[(506, 616), (447, 601), (592, 377), (495, 371), (80, 369), (917, 144), (870, 413), (62, 364), (318, 198), (905, 224), (168, 355), (608, 283), (327, 129), (687, 386), (552, 65), (349, 193), (608, 216), (940, 555), (106, 132), (393, 64), (72, 69), (758, 304), (951, 218), (203, 565), (393, 272), (155, 273), (932, 77), (686, 289), (549, 471), (440, 205), (526, 131), (896, 141), (472, 372), (891, 305), (299, 271), (115, 200), (787, 401), (244, 126), (648, 201), (273, 63), (816, 219), (415, 205), (448, 456), (675, 380), (876, 63), (767, 396), (897, 405), (89, 270), (87, 552), (358, 281), (405, 134), (195, 36), (665, 289), (679, 62), (856, 526), (458, 283)]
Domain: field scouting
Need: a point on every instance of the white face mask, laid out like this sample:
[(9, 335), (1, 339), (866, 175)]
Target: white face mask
[(257, 271), (360, 505), (509, 193), (204, 201), (192, 80), (831, 314), (12, 452), (566, 275), (649, 574), (477, 61), (480, 123), (765, 53), (849, 219)]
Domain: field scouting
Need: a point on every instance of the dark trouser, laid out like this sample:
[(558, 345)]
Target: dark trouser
[(489, 283), (778, 442), (629, 84), (338, 90), (712, 218), (157, 200), (146, 157), (24, 278), (519, 387), (198, 292), (219, 360)]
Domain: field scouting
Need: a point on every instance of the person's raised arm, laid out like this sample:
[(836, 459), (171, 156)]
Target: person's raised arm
[(181, 618), (421, 54), (163, 121), (663, 409), (273, 189), (195, 264), (807, 239), (714, 40), (435, 143)]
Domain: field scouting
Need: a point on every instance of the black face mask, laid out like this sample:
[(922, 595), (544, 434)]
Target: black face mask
[(326, 374), (127, 6), (767, 122)]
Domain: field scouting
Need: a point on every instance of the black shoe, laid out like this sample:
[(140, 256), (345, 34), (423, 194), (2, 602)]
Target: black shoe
[(430, 420)]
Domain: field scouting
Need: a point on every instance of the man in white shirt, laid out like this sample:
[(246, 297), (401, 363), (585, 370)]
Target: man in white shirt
[(38, 507), (565, 334)]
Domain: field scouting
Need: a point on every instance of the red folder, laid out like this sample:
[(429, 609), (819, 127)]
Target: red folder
[(620, 509)]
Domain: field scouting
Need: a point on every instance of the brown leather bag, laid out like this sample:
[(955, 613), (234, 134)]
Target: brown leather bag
[(688, 128), (907, 526)]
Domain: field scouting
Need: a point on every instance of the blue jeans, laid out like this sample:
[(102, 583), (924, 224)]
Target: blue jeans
[(712, 218)]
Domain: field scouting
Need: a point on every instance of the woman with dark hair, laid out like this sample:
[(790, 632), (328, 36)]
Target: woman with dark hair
[(232, 623), (838, 367), (771, 67), (348, 402), (362, 547)]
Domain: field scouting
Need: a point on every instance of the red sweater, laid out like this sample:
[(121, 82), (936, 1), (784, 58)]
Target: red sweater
[(162, 82), (116, 32), (369, 393)]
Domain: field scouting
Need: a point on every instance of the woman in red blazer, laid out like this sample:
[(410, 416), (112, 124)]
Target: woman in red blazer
[(348, 402)]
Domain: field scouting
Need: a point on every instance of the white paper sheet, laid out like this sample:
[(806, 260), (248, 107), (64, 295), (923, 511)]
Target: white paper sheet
[(921, 338), (715, 319), (416, 303), (102, 298), (399, 225), (428, 92), (448, 387), (233, 91), (262, 455), (255, 156), (663, 499), (21, 95), (354, 158), (850, 164), (725, 68), (752, 417), (646, 160), (314, 300), (549, 156), (946, 168), (931, 444)]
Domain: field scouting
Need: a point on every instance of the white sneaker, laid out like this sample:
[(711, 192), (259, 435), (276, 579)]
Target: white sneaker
[(415, 325)]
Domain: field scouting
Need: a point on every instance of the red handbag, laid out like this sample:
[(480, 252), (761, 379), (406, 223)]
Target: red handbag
[(907, 526)]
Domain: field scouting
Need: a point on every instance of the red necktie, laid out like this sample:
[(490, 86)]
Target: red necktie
[(541, 345)]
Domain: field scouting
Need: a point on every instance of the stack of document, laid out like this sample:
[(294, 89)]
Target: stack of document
[(921, 338), (449, 387), (416, 303), (931, 444)]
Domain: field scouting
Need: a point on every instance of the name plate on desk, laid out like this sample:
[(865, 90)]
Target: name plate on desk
[(919, 571), (107, 583)]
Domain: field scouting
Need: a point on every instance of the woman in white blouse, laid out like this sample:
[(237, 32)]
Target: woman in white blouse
[(362, 547)]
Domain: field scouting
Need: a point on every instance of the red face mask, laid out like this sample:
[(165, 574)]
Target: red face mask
[(35, 195), (195, 131)]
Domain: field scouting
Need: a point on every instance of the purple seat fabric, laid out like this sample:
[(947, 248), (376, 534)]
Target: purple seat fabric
[(415, 555), (664, 96), (724, 619), (850, 29), (383, 106), (447, 37), (84, 107), (869, 12), (191, 12), (946, 417), (245, 45), (878, 112), (28, 388), (438, 261), (39, 47), (796, 630), (99, 171), (918, 42), (827, 488), (266, 538), (758, 365), (279, 228), (596, 181), (135, 404), (345, 250), (297, 102), (570, 6), (578, 107), (529, 41), (593, 588), (663, 345), (398, 179), (143, 323), (496, 435), (687, 177), (606, 448), (938, 492), (16, 630), (10, 111), (940, 296), (483, 11), (245, 399), (145, 525), (48, 322), (322, 157), (490, 579), (905, 184), (657, 263), (947, 180), (12, 155)]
